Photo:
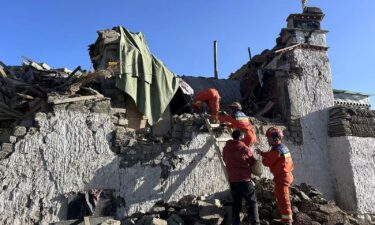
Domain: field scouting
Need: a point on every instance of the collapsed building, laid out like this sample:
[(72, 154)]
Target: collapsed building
[(123, 129)]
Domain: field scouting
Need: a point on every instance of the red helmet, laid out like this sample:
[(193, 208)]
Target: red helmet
[(274, 133), (236, 105)]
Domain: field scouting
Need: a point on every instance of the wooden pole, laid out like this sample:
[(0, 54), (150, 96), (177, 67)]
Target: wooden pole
[(249, 50), (216, 76)]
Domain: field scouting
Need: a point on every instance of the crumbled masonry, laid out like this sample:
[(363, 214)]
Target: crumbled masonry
[(308, 203)]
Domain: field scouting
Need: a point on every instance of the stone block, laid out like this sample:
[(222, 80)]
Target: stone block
[(307, 206), (211, 213), (77, 107), (39, 117), (174, 219), (19, 131), (111, 222), (187, 200), (158, 209), (33, 130), (127, 222), (149, 220), (12, 139), (101, 107), (302, 219), (123, 122), (6, 150)]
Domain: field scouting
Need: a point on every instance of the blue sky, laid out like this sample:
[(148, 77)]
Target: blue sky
[(181, 33)]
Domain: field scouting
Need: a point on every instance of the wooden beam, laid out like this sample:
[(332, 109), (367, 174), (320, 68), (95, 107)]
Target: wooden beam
[(74, 99)]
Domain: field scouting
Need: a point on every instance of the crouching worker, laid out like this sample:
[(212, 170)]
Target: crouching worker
[(279, 160), (239, 121), (212, 98), (238, 160)]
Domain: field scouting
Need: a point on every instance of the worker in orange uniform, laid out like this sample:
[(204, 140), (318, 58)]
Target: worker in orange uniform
[(280, 162), (212, 98), (239, 121)]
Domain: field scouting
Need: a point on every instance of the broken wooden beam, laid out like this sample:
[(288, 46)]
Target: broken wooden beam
[(56, 101)]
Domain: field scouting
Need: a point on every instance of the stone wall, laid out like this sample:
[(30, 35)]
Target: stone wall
[(353, 164), (306, 96), (72, 151)]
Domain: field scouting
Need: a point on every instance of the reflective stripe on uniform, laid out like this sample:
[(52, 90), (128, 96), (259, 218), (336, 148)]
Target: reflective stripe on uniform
[(287, 155), (287, 216)]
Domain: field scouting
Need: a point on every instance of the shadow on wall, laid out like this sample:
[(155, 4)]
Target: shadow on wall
[(139, 187)]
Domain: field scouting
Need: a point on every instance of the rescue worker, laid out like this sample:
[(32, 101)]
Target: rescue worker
[(238, 160), (212, 98), (239, 121), (280, 162)]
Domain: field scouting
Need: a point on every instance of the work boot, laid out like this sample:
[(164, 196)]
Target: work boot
[(214, 121)]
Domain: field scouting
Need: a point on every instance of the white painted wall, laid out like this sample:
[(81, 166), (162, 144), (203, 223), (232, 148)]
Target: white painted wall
[(71, 153), (353, 164)]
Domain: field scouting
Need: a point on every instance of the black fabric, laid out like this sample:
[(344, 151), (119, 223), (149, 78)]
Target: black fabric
[(244, 190)]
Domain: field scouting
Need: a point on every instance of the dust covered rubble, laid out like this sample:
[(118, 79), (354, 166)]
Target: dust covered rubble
[(308, 205)]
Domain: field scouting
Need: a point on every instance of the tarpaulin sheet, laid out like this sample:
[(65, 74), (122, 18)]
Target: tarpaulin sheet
[(144, 77)]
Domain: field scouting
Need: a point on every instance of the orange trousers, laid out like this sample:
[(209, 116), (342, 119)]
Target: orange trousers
[(282, 183)]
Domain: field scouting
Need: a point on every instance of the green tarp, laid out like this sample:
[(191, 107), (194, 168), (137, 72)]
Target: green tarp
[(144, 77)]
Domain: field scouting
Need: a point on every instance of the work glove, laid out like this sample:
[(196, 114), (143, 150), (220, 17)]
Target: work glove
[(223, 113)]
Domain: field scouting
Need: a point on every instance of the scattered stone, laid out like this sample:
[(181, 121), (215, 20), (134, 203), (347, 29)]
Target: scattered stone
[(329, 208), (127, 222), (111, 222), (123, 122), (307, 206), (158, 210), (12, 139), (302, 219), (149, 220), (175, 220), (6, 150), (211, 213), (304, 197), (187, 200), (19, 131)]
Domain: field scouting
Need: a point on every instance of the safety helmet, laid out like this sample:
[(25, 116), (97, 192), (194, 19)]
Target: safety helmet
[(236, 105), (274, 133)]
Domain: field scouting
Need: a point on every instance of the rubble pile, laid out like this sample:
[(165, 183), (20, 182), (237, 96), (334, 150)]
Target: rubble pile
[(29, 88), (308, 205), (349, 121)]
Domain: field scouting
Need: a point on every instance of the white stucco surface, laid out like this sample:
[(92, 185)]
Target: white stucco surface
[(71, 153), (353, 163)]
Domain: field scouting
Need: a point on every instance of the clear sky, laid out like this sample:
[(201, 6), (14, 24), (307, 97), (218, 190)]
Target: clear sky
[(181, 33)]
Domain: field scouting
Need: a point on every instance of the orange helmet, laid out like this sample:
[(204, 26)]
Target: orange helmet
[(274, 133), (236, 105)]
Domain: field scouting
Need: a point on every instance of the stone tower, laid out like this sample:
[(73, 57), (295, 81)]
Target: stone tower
[(304, 92)]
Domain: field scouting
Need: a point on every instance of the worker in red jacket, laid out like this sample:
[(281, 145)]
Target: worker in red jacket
[(238, 160), (280, 162), (212, 98), (239, 121)]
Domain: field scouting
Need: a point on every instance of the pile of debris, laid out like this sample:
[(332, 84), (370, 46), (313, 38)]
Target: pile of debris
[(349, 121), (29, 88), (308, 205)]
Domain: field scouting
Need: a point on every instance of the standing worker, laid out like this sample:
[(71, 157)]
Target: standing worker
[(238, 160), (280, 162), (239, 121), (212, 98)]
